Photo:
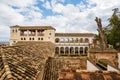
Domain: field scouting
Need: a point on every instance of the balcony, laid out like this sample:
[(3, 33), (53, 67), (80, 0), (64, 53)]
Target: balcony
[(31, 34), (40, 34), (23, 34), (72, 44)]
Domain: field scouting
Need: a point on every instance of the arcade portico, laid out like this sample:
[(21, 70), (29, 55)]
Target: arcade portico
[(73, 43), (66, 43)]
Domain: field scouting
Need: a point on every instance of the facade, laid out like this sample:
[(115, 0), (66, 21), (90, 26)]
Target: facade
[(73, 43), (31, 33), (34, 58), (66, 43)]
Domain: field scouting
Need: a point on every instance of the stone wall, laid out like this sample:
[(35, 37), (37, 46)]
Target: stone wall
[(109, 54)]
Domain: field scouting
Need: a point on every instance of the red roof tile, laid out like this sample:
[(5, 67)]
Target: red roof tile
[(33, 27)]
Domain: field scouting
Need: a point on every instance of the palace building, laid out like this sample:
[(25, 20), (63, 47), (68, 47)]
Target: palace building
[(39, 53), (66, 43)]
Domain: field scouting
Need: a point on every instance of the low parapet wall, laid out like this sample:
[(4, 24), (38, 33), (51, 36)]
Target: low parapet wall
[(111, 68), (97, 54), (91, 66)]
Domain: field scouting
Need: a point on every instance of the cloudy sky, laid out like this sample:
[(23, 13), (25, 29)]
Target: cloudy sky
[(64, 15)]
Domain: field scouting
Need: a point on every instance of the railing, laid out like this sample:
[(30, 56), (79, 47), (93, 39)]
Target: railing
[(72, 44), (26, 34), (40, 34), (23, 34), (31, 34)]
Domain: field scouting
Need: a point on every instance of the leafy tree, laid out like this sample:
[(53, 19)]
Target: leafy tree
[(112, 31)]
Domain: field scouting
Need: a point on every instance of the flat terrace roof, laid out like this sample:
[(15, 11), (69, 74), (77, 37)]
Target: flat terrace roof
[(74, 34), (33, 27)]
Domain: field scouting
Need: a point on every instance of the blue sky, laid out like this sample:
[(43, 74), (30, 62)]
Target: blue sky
[(65, 15)]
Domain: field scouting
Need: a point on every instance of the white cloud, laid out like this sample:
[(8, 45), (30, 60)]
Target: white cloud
[(76, 21), (65, 18), (47, 5), (12, 16), (81, 17), (58, 8), (19, 3), (9, 15)]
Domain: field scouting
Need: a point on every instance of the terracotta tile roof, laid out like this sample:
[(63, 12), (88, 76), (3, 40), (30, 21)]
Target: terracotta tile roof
[(33, 27), (74, 34), (25, 61), (90, 75), (63, 64), (34, 42)]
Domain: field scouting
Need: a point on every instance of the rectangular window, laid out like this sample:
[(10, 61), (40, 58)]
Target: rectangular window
[(41, 38), (38, 38), (21, 38), (33, 38), (29, 38), (49, 33)]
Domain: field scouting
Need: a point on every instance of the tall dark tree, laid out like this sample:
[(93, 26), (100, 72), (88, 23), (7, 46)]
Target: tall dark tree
[(113, 30)]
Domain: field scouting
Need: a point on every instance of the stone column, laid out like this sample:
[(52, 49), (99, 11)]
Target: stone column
[(83, 50), (78, 51), (68, 51), (64, 50), (59, 50), (27, 32), (20, 32), (73, 50), (36, 32)]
